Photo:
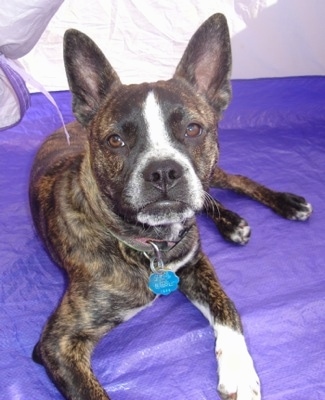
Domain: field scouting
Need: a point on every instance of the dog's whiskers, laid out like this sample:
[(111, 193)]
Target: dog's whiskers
[(211, 205)]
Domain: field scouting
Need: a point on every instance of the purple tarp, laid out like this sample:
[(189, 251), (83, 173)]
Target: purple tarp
[(274, 132)]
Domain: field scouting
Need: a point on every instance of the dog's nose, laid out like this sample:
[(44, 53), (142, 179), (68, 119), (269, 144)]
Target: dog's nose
[(163, 174)]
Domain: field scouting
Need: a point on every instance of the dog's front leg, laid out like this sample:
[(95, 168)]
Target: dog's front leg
[(231, 226), (237, 375), (66, 344), (287, 205)]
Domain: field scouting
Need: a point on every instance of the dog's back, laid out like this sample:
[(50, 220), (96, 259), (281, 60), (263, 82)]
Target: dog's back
[(55, 164)]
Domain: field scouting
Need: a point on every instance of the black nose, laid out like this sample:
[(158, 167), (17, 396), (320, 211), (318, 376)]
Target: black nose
[(163, 174)]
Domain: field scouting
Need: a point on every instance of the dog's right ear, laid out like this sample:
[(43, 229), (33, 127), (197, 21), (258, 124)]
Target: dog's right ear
[(90, 75)]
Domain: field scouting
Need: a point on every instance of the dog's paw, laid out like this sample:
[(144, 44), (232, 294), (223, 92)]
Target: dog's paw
[(233, 228), (292, 207), (241, 233), (238, 379)]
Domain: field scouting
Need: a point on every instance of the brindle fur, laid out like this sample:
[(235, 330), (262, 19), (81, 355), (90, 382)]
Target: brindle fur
[(73, 202)]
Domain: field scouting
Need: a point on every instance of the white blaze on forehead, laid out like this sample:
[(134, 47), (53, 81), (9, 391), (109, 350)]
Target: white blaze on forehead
[(160, 146), (155, 122)]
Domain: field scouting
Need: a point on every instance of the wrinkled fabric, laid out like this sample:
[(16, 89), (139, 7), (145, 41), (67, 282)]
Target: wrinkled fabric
[(22, 23), (14, 95), (274, 132), (269, 38)]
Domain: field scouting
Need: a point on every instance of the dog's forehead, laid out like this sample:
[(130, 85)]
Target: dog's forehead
[(131, 100), (159, 106)]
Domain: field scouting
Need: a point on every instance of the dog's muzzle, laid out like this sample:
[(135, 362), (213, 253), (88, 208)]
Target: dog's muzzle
[(165, 212), (164, 180)]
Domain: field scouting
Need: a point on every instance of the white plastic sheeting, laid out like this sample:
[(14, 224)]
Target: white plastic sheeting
[(145, 39), (21, 25)]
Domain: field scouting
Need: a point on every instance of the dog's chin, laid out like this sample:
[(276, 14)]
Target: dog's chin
[(165, 213)]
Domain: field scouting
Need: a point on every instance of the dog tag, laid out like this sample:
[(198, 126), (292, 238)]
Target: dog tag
[(163, 282)]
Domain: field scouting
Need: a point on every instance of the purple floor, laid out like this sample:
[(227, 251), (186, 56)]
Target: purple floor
[(274, 132)]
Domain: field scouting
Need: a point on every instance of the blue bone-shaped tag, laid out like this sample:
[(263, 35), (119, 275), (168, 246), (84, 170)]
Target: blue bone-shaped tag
[(163, 282)]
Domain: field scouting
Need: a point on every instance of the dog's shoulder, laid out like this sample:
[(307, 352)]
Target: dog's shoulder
[(56, 154)]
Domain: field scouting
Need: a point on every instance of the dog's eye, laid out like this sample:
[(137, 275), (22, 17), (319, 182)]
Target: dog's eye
[(115, 141), (193, 130)]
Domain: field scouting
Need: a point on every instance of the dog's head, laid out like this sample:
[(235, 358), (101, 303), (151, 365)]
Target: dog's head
[(153, 146)]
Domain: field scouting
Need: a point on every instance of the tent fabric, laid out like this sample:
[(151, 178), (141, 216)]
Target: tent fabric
[(269, 38), (21, 25), (15, 98), (274, 132)]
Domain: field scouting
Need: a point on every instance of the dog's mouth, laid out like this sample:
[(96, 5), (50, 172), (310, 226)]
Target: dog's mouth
[(164, 212), (145, 243)]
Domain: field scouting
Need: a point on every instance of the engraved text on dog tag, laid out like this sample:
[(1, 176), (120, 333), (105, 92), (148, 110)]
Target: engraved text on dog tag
[(163, 282)]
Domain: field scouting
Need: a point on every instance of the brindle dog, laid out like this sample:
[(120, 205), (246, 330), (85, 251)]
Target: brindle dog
[(116, 207)]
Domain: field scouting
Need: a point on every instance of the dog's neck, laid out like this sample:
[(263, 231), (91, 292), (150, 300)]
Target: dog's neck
[(165, 237)]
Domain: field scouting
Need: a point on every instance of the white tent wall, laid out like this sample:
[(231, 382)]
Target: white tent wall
[(145, 39)]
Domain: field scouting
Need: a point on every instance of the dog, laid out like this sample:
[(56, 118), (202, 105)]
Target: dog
[(116, 207)]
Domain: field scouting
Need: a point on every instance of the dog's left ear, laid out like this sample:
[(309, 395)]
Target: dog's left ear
[(206, 63)]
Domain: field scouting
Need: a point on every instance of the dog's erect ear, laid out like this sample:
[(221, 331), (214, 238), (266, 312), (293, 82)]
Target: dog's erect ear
[(90, 75), (206, 63)]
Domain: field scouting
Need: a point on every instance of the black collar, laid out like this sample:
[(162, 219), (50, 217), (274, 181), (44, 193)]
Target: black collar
[(142, 244)]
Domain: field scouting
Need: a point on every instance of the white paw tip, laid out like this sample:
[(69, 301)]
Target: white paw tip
[(241, 234), (238, 379), (305, 214)]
